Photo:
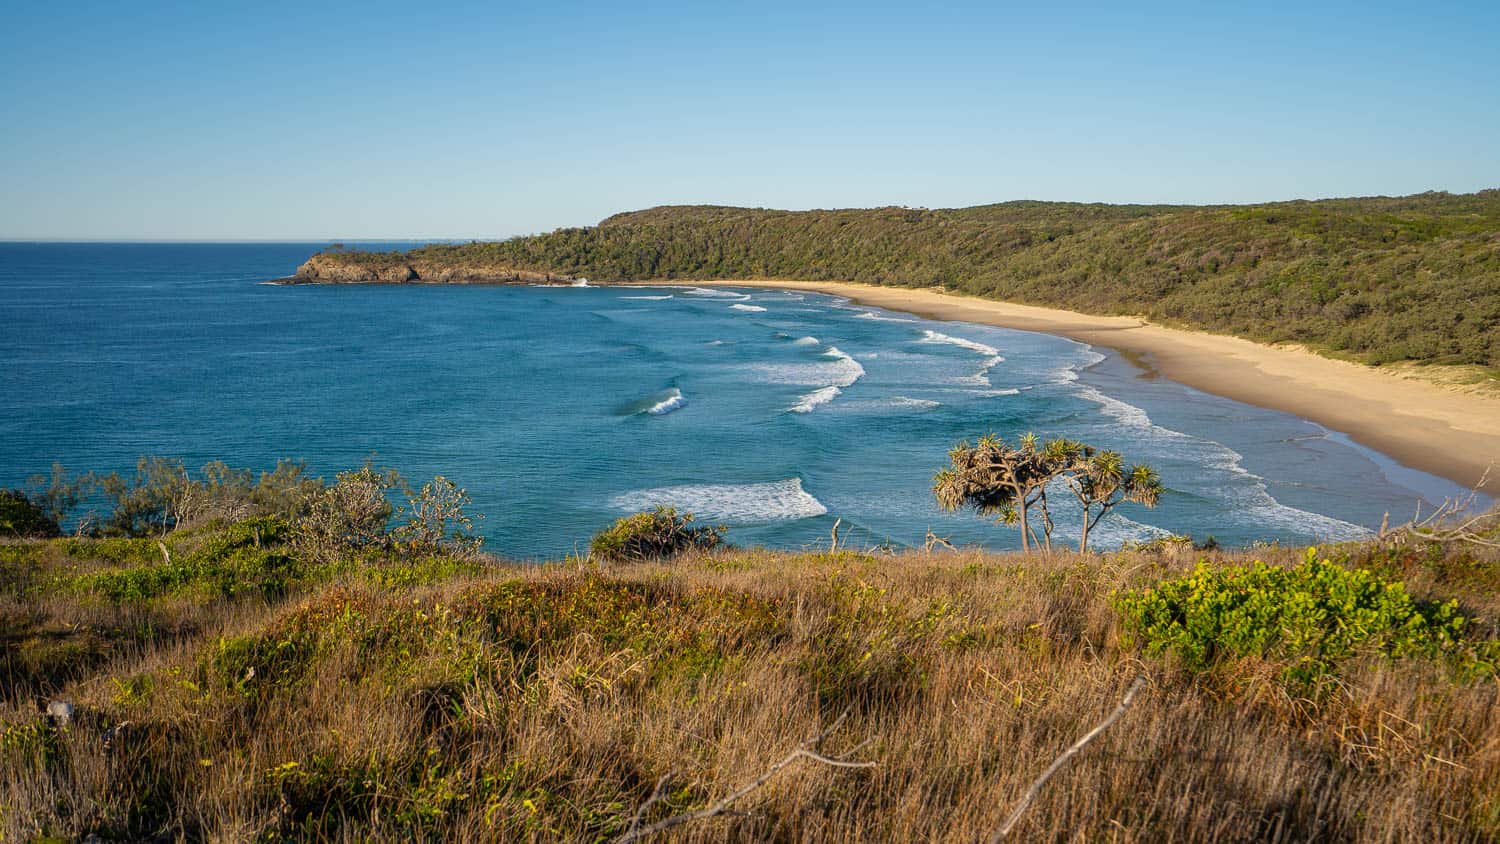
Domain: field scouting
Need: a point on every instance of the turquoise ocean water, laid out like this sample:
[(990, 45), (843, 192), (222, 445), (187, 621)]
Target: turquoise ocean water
[(563, 408)]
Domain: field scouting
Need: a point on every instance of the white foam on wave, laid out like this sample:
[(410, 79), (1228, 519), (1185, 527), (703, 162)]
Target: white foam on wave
[(879, 318), (810, 401), (1114, 530), (1004, 391), (971, 345), (805, 341), (905, 401), (670, 402), (849, 369), (715, 294), (649, 298), (992, 359), (752, 308), (731, 503), (836, 369), (1069, 373), (1252, 498), (582, 282)]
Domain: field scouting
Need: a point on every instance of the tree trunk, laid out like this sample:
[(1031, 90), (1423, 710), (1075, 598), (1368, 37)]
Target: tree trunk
[(1025, 524)]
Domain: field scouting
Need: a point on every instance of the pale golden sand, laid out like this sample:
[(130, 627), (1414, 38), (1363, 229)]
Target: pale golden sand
[(1448, 432)]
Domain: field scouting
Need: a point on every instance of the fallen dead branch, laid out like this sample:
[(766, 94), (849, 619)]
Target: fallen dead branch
[(805, 750), (933, 540), (1453, 521), (1059, 762)]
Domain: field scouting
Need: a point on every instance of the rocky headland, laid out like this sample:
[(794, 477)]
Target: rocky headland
[(394, 268)]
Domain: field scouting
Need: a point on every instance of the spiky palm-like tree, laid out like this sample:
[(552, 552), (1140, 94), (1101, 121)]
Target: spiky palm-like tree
[(995, 478), (1101, 482)]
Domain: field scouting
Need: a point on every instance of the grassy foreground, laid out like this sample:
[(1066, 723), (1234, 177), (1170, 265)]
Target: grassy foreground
[(226, 689)]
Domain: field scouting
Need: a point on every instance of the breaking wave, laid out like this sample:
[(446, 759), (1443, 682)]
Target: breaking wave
[(752, 308), (732, 503), (715, 294), (649, 298), (1251, 497), (835, 370), (668, 403), (904, 401), (808, 402), (937, 337), (659, 403), (849, 369)]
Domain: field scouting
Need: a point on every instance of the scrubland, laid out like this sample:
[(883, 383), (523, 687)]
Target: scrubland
[(226, 685)]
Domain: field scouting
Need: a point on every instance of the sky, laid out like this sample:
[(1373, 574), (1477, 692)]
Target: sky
[(204, 121)]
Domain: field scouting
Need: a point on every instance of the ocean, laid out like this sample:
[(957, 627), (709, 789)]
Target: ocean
[(561, 409)]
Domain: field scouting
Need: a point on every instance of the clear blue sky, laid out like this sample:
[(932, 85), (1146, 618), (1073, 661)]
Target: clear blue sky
[(374, 119)]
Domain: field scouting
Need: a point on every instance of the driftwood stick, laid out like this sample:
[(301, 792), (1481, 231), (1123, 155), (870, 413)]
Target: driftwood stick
[(656, 793), (1059, 762), (803, 751)]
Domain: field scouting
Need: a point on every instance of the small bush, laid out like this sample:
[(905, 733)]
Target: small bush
[(21, 517), (1312, 616), (654, 535), (350, 515)]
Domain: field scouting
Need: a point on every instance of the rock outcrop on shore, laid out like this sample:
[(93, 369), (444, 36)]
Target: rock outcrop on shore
[(371, 268)]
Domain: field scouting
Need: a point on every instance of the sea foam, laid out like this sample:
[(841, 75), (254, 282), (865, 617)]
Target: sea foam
[(907, 402), (649, 298), (1249, 497), (715, 294), (836, 369), (810, 401), (670, 401), (938, 337), (992, 355), (742, 504), (752, 308)]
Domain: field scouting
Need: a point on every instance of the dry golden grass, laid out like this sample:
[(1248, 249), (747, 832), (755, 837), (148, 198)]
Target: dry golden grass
[(544, 703)]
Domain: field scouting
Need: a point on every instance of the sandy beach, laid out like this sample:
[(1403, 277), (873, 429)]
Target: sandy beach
[(1448, 433)]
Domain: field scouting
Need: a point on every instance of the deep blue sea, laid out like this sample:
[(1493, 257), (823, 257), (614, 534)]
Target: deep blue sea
[(561, 409)]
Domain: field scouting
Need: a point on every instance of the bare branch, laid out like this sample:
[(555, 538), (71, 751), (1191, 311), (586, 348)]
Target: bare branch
[(803, 751), (1059, 762), (1453, 521), (656, 793), (934, 540)]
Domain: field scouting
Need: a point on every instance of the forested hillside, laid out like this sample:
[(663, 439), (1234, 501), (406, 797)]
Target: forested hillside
[(1381, 279)]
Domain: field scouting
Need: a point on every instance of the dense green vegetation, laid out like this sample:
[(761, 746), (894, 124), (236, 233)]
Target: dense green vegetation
[(1311, 616), (1380, 279)]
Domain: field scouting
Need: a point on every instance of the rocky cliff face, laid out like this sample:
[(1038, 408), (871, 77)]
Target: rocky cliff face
[(361, 268)]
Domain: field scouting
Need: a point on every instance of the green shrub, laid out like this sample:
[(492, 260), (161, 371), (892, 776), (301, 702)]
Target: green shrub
[(21, 517), (654, 535), (1311, 616)]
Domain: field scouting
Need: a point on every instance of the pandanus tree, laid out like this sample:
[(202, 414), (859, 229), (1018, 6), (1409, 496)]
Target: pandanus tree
[(1101, 482), (995, 478)]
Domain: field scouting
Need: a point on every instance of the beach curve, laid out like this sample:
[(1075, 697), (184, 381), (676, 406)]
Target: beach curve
[(1448, 433)]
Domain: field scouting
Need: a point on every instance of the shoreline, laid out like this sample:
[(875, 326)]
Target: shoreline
[(1443, 432)]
